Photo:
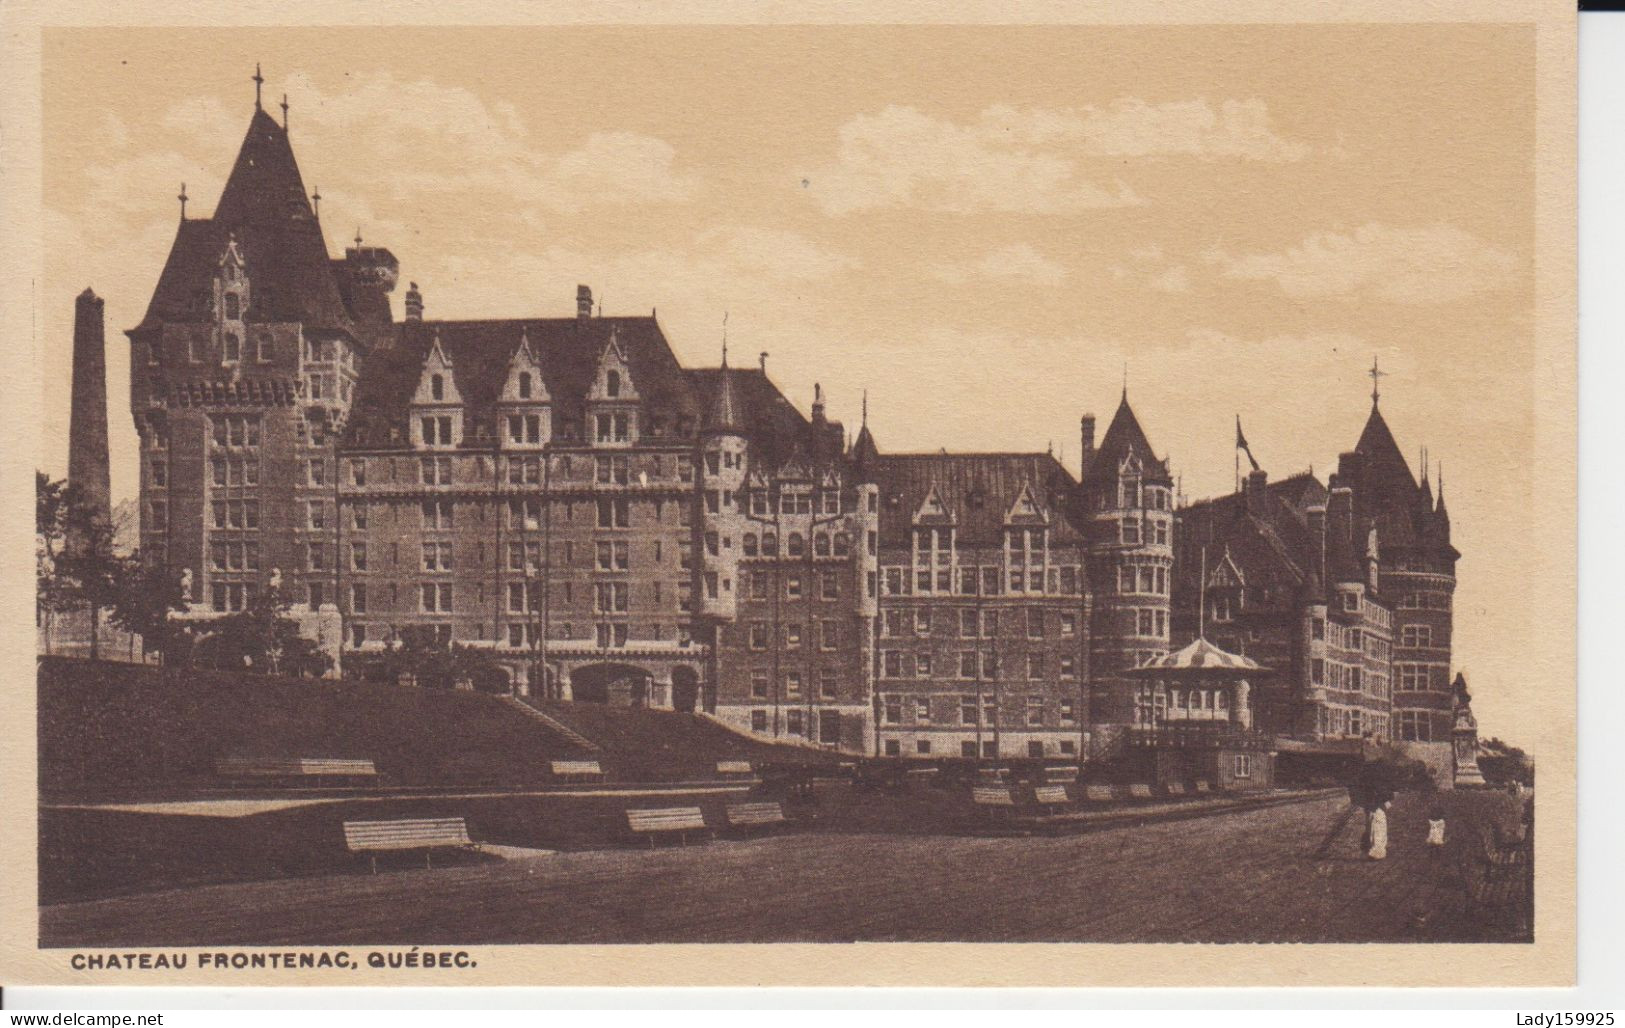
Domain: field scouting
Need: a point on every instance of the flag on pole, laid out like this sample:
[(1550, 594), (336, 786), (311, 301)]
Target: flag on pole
[(1241, 444)]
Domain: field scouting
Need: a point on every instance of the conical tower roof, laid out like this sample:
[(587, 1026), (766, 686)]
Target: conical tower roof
[(264, 208), (1124, 436), (725, 416)]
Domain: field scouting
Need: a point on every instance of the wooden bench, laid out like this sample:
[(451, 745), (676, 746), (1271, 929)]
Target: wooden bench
[(756, 815), (656, 821), (991, 796), (1140, 791), (1202, 786), (1099, 793), (576, 769), (426, 834), (1175, 788), (1061, 774), (294, 767), (1051, 796), (733, 767)]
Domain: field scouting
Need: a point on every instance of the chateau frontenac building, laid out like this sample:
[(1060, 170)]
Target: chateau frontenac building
[(611, 526)]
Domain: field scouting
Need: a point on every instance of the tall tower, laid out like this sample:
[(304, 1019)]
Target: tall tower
[(1128, 517), (722, 482), (87, 426), (1417, 568)]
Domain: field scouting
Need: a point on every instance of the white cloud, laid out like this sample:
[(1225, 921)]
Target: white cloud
[(903, 158), (1030, 159), (1174, 280), (1434, 264), (1017, 262)]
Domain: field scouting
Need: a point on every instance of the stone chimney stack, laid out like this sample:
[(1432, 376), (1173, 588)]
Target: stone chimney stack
[(1255, 490), (1341, 554), (87, 424), (1316, 517), (414, 303), (583, 302), (1088, 440)]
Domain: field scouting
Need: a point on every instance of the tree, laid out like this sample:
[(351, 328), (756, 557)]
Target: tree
[(262, 639), (145, 598), (75, 564), (51, 499)]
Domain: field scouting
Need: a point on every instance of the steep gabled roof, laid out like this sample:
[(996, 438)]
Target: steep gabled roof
[(775, 428), (264, 207), (1123, 437), (567, 351), (979, 488)]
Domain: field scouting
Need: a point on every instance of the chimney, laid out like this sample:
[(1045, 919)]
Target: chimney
[(1254, 489), (1317, 540), (1088, 440), (818, 402), (414, 303), (583, 302), (1340, 532)]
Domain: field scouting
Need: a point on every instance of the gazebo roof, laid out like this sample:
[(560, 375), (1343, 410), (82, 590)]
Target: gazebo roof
[(1200, 658)]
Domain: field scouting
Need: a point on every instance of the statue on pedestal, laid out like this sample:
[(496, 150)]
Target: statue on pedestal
[(1464, 735)]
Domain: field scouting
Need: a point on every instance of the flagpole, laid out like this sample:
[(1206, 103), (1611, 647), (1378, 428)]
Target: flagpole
[(1237, 454)]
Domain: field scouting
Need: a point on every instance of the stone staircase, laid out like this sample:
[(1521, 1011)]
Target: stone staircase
[(554, 724)]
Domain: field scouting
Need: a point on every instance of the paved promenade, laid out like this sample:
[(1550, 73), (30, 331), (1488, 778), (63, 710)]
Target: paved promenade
[(1290, 873)]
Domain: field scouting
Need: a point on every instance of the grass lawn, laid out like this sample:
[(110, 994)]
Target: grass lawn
[(1290, 873)]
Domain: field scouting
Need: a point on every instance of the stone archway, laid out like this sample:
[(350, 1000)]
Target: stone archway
[(685, 689), (614, 685)]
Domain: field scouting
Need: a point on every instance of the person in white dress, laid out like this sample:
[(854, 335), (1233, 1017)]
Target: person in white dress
[(1378, 832)]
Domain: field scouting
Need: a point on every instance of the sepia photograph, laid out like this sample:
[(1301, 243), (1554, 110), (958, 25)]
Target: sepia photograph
[(621, 485)]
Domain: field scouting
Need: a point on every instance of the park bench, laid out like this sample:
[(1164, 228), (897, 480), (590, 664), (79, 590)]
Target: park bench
[(659, 820), (733, 767), (576, 769), (1051, 796), (1098, 793), (756, 815), (1202, 786), (426, 834), (293, 768), (1140, 791), (1502, 879), (991, 796), (1067, 773), (1175, 788)]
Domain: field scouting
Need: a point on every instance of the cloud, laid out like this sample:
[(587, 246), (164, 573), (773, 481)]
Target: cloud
[(903, 158), (1030, 160), (1017, 262), (445, 141), (1435, 264), (1174, 280)]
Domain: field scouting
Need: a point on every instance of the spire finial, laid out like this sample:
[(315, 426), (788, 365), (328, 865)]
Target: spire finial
[(1375, 374), (182, 199), (865, 407), (259, 80), (316, 198), (284, 112), (725, 339), (358, 237)]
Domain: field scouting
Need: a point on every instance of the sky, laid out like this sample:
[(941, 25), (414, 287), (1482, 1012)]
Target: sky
[(988, 229)]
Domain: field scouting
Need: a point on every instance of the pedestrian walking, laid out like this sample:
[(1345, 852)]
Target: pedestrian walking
[(1377, 832)]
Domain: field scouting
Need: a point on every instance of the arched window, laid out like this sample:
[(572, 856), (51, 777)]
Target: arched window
[(750, 544), (437, 386), (233, 347), (233, 307), (843, 544), (795, 546), (612, 384), (821, 544), (524, 385), (770, 544)]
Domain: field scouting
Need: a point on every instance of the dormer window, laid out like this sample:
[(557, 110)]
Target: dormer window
[(233, 307), (437, 386), (524, 385), (232, 347), (612, 384)]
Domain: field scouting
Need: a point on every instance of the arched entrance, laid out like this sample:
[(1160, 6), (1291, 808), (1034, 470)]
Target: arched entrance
[(617, 685), (685, 689)]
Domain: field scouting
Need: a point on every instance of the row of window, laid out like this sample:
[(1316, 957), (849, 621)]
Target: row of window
[(829, 680), (606, 470), (990, 748), (987, 580), (1155, 532), (824, 544), (1156, 704), (1413, 725), (965, 709), (969, 622), (1422, 677), (760, 634), (517, 635), (1416, 636), (1351, 722), (1424, 601), (904, 664), (828, 723)]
